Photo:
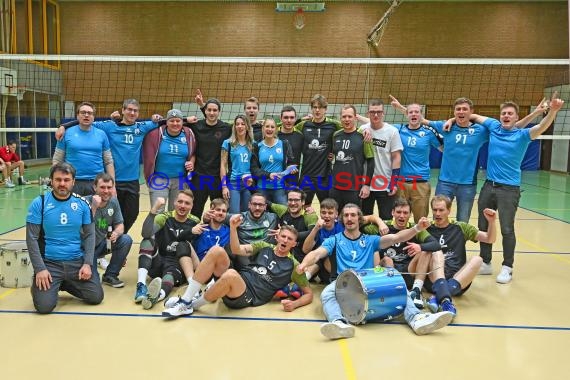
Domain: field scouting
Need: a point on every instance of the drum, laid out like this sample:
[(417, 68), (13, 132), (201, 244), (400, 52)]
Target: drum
[(368, 294), (15, 266)]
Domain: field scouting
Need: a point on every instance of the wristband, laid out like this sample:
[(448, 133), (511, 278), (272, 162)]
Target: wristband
[(417, 228), (393, 179)]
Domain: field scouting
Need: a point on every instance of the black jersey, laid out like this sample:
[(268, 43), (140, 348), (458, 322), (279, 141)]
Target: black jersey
[(350, 154), (452, 239), (171, 232), (317, 144), (209, 141), (295, 140), (267, 273), (257, 131)]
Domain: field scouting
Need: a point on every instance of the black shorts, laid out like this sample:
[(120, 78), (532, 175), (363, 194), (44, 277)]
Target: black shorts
[(243, 301), (163, 265)]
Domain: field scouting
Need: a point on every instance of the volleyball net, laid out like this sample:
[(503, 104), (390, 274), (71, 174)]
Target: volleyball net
[(41, 91)]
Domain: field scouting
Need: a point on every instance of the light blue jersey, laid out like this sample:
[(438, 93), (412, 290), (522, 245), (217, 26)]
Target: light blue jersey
[(172, 154), (272, 159), (126, 144), (506, 153), (84, 150), (460, 151), (417, 147), (62, 222), (239, 159), (352, 254)]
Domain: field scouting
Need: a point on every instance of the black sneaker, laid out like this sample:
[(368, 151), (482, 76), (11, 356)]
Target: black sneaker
[(113, 281)]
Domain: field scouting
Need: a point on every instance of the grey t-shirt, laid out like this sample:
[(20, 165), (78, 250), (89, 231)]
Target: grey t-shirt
[(109, 215)]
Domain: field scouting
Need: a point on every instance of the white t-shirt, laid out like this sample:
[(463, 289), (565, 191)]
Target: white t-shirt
[(384, 141)]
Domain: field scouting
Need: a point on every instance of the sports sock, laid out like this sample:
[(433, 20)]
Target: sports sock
[(142, 273), (201, 301), (193, 288)]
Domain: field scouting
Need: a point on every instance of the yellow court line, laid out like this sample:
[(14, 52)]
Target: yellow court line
[(541, 248), (7, 293), (347, 360)]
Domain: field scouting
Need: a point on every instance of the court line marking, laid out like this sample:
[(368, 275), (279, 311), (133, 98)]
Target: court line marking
[(543, 214), (346, 360), (540, 248), (267, 319), (7, 293)]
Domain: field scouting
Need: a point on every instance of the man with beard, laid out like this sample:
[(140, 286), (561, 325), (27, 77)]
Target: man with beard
[(271, 267), (165, 239), (60, 237), (108, 217), (352, 249)]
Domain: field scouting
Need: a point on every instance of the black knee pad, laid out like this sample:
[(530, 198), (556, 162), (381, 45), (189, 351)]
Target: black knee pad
[(183, 249)]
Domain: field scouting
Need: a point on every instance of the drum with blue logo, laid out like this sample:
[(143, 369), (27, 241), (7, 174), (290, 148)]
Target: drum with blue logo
[(369, 294)]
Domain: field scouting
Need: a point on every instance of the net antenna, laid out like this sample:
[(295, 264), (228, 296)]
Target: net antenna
[(377, 30)]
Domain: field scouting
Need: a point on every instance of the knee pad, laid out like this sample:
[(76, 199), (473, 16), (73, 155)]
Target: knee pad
[(454, 286), (183, 249), (168, 279), (145, 261), (147, 247)]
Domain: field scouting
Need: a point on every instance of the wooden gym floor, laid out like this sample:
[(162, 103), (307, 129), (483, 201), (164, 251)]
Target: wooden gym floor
[(520, 330)]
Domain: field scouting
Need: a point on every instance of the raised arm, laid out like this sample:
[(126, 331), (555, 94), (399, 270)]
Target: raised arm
[(235, 246), (540, 109), (311, 238), (404, 235), (490, 235), (395, 103), (555, 106)]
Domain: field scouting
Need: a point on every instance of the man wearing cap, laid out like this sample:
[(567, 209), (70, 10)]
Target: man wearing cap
[(168, 155), (210, 134)]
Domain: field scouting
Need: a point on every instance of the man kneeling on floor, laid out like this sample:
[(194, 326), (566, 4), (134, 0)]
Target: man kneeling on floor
[(272, 267), (355, 250)]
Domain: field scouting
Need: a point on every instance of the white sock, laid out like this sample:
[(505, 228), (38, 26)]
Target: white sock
[(162, 295), (418, 284), (193, 288), (201, 301), (142, 273), (308, 275)]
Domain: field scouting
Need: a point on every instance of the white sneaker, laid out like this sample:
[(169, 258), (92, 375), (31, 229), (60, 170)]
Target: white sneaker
[(505, 276), (171, 301), (486, 269), (337, 330), (9, 183), (179, 309), (102, 263), (425, 323), (153, 293)]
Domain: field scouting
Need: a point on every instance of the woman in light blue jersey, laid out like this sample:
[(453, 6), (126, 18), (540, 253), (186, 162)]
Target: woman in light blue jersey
[(270, 162), (235, 172)]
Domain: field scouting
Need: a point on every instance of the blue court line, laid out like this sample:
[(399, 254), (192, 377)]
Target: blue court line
[(266, 319)]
